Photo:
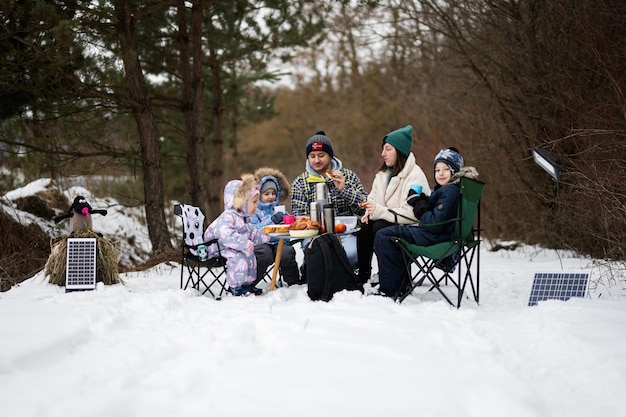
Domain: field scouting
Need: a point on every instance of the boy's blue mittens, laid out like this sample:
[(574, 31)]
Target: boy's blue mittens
[(414, 197), (277, 218)]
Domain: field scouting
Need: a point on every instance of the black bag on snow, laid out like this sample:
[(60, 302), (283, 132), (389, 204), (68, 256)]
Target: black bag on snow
[(327, 269)]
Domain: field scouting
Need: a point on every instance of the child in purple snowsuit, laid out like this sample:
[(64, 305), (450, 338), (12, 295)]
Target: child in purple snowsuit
[(237, 236)]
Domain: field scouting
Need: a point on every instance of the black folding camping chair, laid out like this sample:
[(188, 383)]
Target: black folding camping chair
[(204, 273)]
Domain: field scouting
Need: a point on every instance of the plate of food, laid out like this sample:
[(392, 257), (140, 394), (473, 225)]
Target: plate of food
[(278, 234), (304, 233), (304, 227), (276, 230)]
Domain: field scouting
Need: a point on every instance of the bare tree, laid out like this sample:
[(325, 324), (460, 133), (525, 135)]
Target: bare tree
[(555, 72)]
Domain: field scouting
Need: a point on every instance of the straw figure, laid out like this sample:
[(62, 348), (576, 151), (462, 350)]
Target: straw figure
[(80, 226)]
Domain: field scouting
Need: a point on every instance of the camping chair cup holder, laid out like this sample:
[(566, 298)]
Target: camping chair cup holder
[(458, 259)]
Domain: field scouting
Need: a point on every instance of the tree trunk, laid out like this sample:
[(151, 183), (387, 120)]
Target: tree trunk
[(193, 92), (216, 179), (148, 135)]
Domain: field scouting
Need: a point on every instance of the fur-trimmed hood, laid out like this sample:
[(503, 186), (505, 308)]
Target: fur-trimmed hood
[(242, 194), (229, 193), (283, 188), (468, 172)]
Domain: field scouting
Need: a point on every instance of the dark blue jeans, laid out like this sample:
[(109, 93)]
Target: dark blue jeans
[(391, 268)]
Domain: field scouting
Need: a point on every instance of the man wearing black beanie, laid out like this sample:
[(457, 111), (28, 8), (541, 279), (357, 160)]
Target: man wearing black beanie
[(345, 190)]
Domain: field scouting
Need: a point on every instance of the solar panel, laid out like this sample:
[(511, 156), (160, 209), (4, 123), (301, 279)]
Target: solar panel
[(80, 268), (558, 286)]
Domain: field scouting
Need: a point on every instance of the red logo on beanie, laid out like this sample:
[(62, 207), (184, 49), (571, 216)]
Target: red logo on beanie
[(317, 146)]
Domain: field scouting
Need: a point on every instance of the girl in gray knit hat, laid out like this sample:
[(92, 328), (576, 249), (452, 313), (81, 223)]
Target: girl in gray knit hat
[(274, 189)]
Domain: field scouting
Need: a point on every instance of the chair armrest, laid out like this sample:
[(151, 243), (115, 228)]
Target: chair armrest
[(397, 224), (207, 243), (396, 215), (416, 221)]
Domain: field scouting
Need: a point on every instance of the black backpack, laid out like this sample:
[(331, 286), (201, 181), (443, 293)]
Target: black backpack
[(327, 269)]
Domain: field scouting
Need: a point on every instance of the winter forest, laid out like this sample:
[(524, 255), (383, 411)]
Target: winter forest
[(166, 100)]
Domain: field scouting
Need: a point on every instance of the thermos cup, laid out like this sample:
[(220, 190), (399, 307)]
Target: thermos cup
[(417, 188)]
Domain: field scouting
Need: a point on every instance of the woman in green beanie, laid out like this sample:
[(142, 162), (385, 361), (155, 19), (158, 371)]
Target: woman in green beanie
[(391, 185)]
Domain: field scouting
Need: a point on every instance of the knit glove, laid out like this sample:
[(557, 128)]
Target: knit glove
[(414, 197), (277, 218), (420, 207), (419, 203)]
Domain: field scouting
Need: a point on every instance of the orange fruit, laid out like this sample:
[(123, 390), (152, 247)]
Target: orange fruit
[(340, 228)]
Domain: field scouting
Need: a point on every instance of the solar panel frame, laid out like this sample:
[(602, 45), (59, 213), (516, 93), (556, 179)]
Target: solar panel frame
[(80, 266), (561, 285)]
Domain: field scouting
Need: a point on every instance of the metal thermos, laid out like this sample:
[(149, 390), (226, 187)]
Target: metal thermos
[(321, 191), (321, 198), (329, 218), (315, 211)]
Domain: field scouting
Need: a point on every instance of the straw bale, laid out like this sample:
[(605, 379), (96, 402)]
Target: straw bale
[(23, 251), (106, 262)]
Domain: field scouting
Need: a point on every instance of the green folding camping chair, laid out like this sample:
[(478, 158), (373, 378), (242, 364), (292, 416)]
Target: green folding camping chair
[(461, 254)]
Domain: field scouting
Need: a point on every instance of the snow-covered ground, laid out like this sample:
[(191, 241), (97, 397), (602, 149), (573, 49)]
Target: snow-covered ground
[(147, 348)]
